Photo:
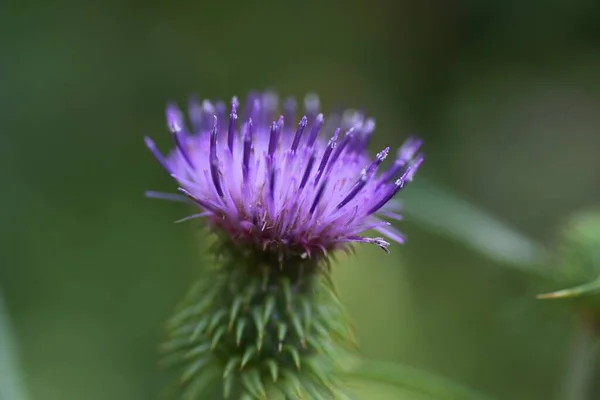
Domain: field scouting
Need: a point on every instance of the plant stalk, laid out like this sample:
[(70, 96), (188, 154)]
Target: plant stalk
[(579, 383)]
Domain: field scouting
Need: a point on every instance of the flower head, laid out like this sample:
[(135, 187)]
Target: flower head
[(304, 187), (267, 317)]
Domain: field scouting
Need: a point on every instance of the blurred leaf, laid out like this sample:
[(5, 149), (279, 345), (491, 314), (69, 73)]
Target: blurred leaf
[(447, 214), (417, 382), (587, 289), (11, 384)]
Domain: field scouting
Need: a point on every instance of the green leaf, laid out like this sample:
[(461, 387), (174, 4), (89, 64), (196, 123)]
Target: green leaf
[(410, 379), (449, 215)]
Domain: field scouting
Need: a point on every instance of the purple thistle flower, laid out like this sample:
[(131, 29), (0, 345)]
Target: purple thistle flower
[(283, 185)]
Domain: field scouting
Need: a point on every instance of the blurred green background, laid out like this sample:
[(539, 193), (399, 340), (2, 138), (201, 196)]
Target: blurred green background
[(506, 95)]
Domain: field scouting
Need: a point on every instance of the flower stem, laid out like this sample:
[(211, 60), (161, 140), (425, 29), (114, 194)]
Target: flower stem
[(579, 382)]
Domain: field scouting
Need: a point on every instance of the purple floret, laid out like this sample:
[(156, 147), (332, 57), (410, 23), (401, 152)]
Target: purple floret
[(281, 186)]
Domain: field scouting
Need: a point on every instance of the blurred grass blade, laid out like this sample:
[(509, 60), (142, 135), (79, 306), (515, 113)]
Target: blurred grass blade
[(587, 289), (11, 384), (412, 380), (447, 214)]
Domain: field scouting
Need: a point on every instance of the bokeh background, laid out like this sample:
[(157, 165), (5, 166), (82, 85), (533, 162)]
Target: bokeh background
[(506, 95)]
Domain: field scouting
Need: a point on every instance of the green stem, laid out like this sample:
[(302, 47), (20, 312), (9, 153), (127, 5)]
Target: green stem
[(581, 367), (11, 382)]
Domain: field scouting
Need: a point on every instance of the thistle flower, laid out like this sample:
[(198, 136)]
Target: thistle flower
[(281, 196)]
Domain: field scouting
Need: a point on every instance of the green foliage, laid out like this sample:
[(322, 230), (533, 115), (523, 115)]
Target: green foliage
[(445, 213), (416, 382)]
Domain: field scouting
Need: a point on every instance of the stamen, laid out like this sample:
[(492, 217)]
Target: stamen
[(414, 165), (343, 144), (199, 201), (220, 111), (274, 135), (404, 155), (357, 187), (214, 161), (299, 132), (208, 111), (166, 196), (307, 171), (326, 154), (398, 185), (366, 130), (175, 123), (378, 160), (314, 132), (248, 131), (232, 120), (318, 197), (272, 182), (156, 153), (195, 114)]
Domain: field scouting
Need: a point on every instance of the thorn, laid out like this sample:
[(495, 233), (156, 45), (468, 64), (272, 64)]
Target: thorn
[(239, 331), (217, 317), (217, 337), (298, 328), (231, 364), (295, 355), (269, 307), (248, 354), (235, 308), (273, 369), (260, 326)]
